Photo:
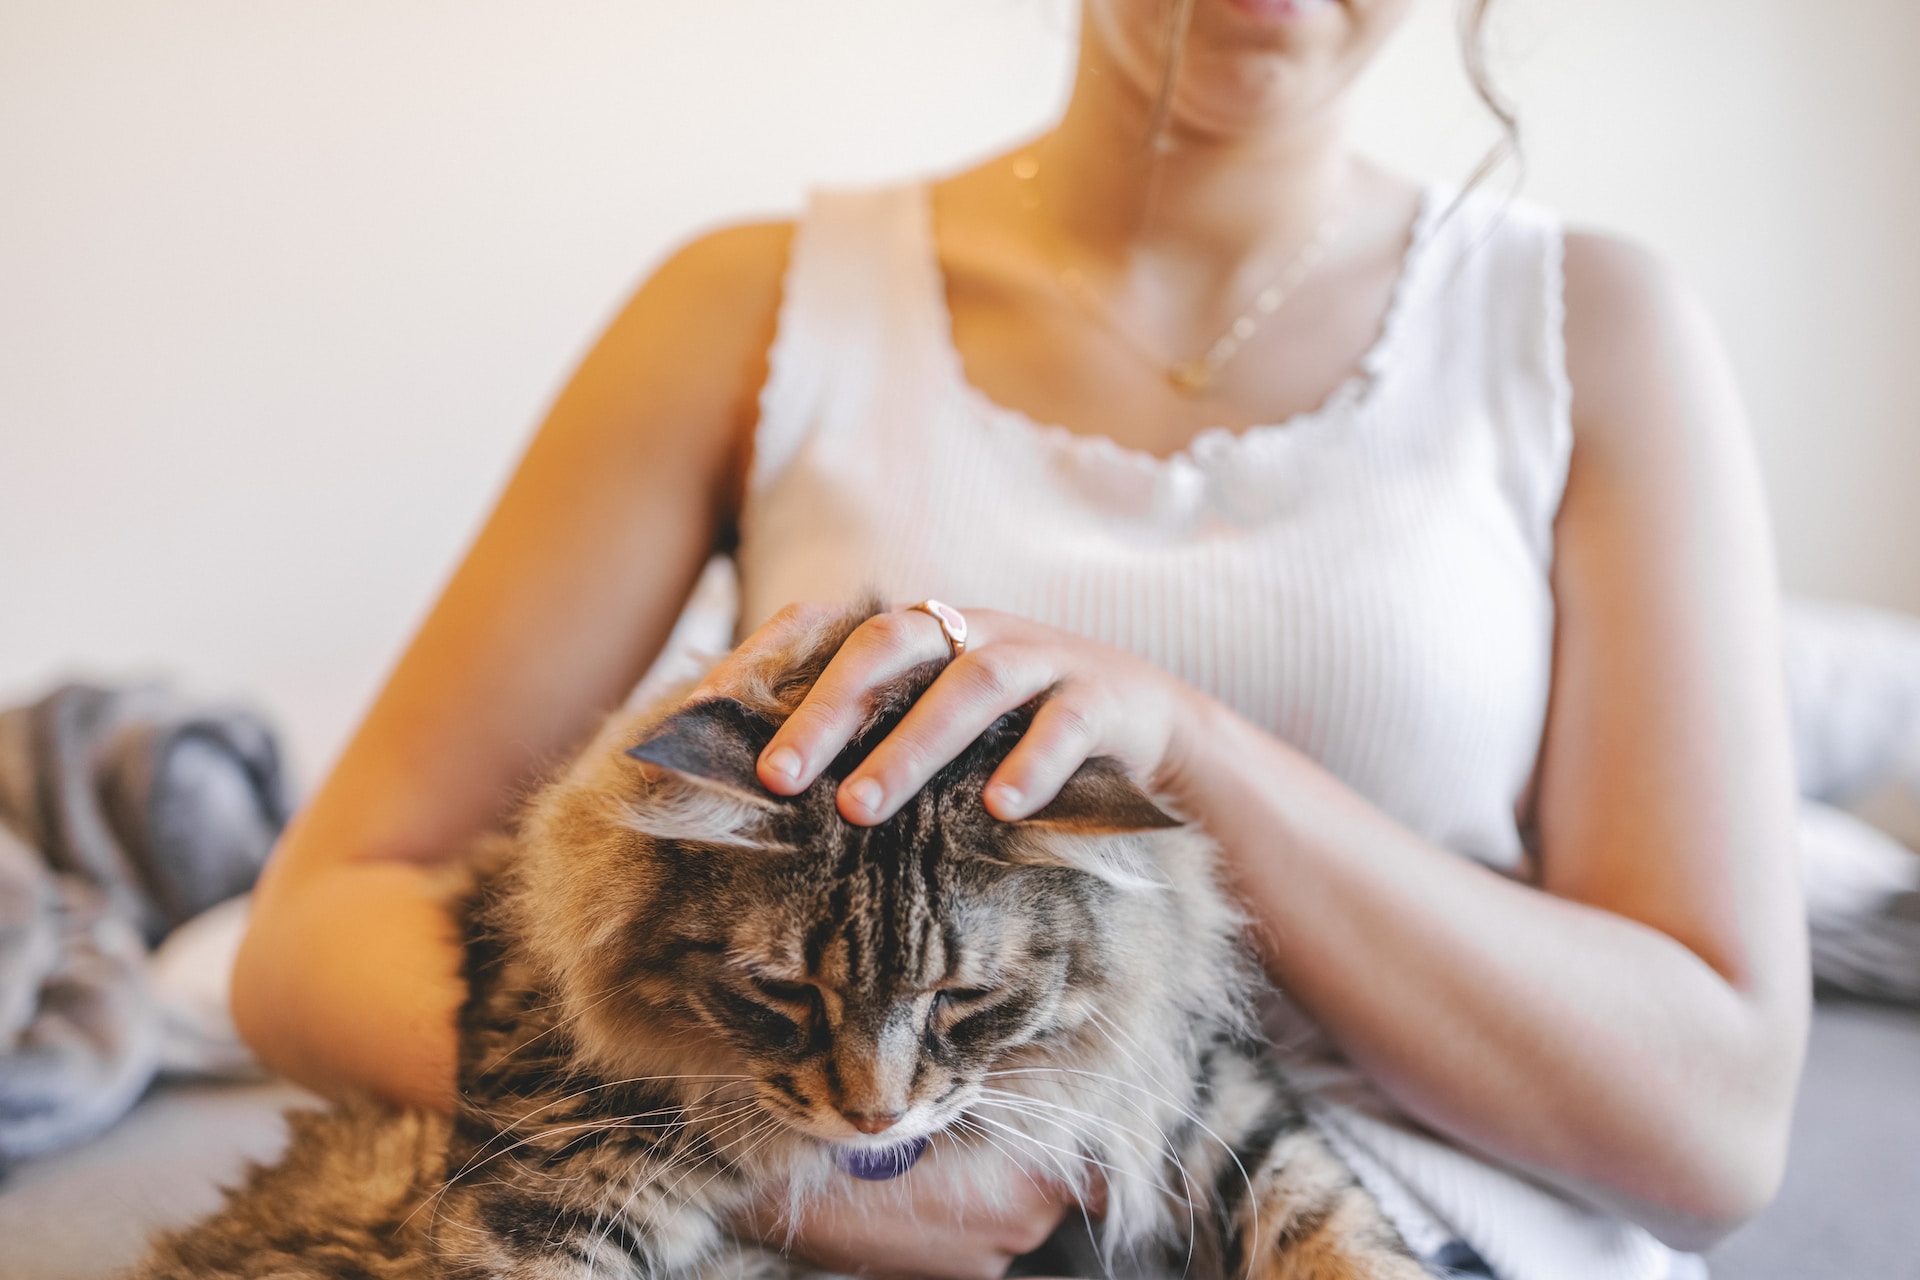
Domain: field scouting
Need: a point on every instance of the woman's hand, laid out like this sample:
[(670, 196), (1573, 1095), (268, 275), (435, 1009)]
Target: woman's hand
[(926, 1223), (1104, 702)]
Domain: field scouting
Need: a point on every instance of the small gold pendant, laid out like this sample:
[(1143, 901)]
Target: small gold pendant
[(1191, 377)]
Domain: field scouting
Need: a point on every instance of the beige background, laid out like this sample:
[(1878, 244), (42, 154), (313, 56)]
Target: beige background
[(283, 287)]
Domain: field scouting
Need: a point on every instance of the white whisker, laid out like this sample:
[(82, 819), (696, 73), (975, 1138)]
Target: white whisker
[(1253, 1197)]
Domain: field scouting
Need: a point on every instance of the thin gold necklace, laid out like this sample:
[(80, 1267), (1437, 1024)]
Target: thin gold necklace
[(1196, 375)]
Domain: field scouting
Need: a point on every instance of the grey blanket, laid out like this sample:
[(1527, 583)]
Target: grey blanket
[(122, 814), (1853, 674)]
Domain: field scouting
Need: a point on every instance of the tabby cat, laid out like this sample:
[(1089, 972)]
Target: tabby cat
[(686, 992)]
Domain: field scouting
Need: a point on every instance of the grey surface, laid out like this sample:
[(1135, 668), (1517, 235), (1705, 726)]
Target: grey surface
[(85, 1213), (1850, 1209)]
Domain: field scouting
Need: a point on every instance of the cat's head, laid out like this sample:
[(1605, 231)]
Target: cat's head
[(866, 980)]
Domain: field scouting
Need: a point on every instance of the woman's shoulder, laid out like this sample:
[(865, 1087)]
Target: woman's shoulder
[(1627, 317), (1613, 279), (707, 311), (733, 268), (1637, 335)]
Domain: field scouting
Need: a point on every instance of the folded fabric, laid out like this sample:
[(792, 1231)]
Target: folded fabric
[(79, 1028), (123, 814), (1853, 678), (1863, 906), (168, 808), (192, 978)]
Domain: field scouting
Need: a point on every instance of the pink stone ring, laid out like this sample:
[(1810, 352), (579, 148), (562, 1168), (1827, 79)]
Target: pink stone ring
[(953, 623)]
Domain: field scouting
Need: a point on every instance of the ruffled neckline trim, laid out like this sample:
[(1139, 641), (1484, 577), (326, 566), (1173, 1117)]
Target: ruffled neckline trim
[(1211, 447)]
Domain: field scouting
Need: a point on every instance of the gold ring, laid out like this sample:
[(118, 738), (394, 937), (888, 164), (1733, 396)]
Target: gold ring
[(953, 623)]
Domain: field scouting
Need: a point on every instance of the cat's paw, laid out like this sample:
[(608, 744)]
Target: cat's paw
[(1313, 1221)]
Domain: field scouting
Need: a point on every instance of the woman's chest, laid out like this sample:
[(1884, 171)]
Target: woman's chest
[(1384, 614)]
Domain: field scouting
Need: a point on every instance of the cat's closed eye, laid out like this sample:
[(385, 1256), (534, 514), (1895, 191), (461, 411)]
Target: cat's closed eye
[(801, 995), (948, 997), (954, 1005)]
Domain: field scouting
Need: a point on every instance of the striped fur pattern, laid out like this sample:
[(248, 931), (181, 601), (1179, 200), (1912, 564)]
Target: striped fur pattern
[(686, 993)]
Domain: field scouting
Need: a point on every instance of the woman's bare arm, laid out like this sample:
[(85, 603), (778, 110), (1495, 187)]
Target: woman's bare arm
[(1633, 1027), (349, 975)]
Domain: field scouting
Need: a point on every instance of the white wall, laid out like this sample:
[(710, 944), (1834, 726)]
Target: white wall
[(284, 286), (1771, 149)]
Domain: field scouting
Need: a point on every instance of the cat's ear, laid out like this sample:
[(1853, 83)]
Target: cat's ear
[(1100, 799), (716, 744), (1100, 824)]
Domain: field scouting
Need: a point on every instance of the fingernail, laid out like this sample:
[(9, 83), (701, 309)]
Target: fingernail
[(1006, 799), (785, 762), (867, 794)]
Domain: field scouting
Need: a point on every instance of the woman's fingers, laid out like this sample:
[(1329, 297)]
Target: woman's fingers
[(1064, 732), (1103, 703), (974, 691), (880, 649)]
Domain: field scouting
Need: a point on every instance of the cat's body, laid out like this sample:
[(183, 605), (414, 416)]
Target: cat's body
[(685, 993)]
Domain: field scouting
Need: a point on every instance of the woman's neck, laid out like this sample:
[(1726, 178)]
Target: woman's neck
[(1204, 206)]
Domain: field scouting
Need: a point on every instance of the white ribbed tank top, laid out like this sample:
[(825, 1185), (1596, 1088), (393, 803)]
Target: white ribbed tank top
[(1368, 581)]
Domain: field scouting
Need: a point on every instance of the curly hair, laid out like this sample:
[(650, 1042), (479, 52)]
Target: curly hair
[(1473, 55)]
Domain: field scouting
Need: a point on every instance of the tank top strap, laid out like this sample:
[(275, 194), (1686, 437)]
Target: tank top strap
[(849, 303), (1486, 329)]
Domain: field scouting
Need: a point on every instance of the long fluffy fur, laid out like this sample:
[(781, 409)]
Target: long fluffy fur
[(672, 979)]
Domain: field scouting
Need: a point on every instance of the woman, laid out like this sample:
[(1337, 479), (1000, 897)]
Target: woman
[(1413, 548)]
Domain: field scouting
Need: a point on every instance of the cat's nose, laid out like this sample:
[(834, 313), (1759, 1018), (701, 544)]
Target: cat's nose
[(873, 1121)]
